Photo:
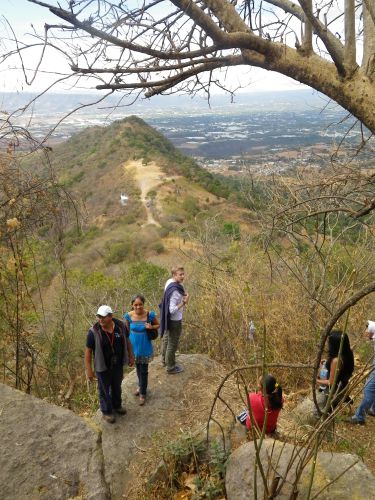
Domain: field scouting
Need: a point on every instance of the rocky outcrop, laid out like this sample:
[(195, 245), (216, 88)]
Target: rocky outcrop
[(174, 403), (351, 478), (47, 452)]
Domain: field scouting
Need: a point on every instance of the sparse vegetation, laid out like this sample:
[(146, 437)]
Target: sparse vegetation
[(283, 263)]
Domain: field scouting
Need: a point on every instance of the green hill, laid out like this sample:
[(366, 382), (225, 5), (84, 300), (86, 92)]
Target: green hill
[(99, 164)]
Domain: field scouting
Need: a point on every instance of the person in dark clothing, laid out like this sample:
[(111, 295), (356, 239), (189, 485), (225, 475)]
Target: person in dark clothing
[(108, 340), (342, 363)]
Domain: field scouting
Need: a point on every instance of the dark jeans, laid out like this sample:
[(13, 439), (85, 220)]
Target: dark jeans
[(109, 386), (142, 373), (171, 339)]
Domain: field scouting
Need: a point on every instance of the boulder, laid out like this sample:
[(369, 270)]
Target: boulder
[(47, 452), (351, 478)]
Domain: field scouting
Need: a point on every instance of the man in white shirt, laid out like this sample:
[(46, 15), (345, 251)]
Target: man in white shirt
[(367, 405), (171, 312)]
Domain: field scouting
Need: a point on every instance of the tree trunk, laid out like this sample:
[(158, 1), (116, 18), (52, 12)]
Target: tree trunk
[(368, 62)]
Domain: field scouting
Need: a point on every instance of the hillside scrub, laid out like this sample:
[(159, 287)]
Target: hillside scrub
[(288, 282)]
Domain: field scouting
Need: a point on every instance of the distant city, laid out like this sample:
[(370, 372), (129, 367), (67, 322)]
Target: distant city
[(264, 132)]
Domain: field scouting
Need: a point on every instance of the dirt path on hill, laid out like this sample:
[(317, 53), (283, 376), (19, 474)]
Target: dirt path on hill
[(148, 177)]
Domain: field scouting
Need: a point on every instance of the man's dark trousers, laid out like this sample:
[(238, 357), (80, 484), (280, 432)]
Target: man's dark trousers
[(109, 384)]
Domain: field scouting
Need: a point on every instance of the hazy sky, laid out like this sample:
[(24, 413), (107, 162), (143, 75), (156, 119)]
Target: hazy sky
[(21, 14)]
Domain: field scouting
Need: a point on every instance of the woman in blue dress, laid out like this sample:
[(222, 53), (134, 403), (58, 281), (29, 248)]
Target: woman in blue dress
[(139, 321)]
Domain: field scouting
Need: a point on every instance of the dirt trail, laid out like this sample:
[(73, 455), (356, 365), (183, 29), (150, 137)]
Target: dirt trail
[(148, 177)]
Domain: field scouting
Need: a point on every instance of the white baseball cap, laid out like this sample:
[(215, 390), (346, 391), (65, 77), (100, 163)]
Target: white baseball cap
[(371, 327), (104, 311)]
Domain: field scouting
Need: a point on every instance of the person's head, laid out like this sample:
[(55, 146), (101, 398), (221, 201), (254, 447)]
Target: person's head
[(178, 274), (371, 329), (138, 302), (334, 341), (273, 390), (104, 315)]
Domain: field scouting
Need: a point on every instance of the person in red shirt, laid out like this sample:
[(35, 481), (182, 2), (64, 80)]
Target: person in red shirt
[(264, 408)]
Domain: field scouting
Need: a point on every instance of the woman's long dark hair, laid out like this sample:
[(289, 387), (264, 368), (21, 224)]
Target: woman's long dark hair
[(346, 357), (274, 392)]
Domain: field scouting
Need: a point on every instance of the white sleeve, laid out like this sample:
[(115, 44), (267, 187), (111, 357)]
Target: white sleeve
[(174, 302)]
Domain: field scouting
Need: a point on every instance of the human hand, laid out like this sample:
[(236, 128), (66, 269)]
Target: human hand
[(131, 360), (148, 326), (90, 374), (185, 298)]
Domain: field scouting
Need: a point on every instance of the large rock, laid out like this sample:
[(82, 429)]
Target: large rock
[(50, 453), (305, 413), (356, 483), (47, 452)]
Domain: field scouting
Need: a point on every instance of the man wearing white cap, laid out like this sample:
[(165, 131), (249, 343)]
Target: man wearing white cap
[(367, 405), (108, 340)]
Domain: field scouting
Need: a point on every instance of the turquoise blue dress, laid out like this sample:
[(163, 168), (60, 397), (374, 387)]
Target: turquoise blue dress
[(142, 346)]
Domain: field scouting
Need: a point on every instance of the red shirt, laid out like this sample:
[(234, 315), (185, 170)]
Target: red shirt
[(257, 407)]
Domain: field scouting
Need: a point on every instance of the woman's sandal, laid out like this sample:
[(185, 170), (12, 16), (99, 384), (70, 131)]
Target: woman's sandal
[(142, 400), (136, 393)]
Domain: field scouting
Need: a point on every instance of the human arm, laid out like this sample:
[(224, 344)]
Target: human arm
[(127, 340), (88, 364), (177, 301), (153, 323), (332, 372), (130, 352)]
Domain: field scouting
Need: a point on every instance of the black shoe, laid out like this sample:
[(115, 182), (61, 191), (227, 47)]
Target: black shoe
[(121, 410)]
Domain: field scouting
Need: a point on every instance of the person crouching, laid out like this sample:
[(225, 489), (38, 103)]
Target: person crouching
[(264, 405)]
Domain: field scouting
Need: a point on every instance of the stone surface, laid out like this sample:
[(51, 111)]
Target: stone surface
[(355, 483), (47, 452), (174, 403), (305, 412)]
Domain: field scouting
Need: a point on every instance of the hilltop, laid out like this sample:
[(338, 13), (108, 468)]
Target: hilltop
[(162, 192)]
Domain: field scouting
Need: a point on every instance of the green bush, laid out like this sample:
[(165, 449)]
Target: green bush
[(158, 247), (117, 252), (191, 206), (232, 229)]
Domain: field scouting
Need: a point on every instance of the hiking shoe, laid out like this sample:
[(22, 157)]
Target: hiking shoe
[(176, 369), (109, 418), (121, 410), (371, 413), (356, 421)]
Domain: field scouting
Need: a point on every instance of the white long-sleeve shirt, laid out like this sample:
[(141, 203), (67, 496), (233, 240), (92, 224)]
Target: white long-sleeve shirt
[(176, 299)]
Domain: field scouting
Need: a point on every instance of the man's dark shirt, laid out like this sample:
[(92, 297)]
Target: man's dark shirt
[(118, 345)]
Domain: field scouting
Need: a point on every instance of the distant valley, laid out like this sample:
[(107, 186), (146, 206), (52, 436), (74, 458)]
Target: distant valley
[(263, 132)]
